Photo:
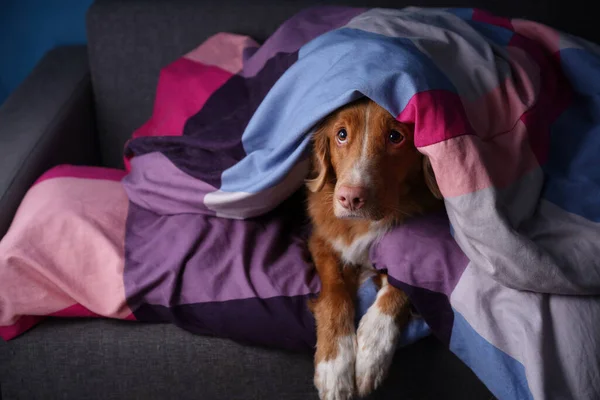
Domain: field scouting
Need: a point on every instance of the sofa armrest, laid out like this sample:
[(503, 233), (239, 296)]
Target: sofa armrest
[(48, 120)]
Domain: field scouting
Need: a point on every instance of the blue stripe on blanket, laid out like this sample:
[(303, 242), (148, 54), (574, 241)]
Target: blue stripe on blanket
[(581, 68), (506, 380), (572, 173), (496, 34), (463, 13), (331, 71)]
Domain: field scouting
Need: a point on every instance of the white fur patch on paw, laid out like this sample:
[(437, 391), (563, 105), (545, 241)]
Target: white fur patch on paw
[(377, 339), (334, 378)]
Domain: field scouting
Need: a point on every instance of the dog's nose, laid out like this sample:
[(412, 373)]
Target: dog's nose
[(351, 197)]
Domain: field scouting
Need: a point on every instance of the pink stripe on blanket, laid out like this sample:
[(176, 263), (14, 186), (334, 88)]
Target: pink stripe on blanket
[(223, 50), (63, 254), (499, 109), (76, 171), (549, 37), (554, 96), (440, 115), (467, 163)]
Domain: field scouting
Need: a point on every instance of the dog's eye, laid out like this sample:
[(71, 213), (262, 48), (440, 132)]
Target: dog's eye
[(396, 137), (342, 135)]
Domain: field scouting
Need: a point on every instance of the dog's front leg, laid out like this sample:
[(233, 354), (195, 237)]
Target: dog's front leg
[(378, 335), (335, 356)]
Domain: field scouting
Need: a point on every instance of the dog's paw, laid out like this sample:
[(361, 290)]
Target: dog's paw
[(334, 378), (377, 339)]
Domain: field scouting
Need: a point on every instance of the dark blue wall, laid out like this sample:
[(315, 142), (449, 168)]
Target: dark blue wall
[(29, 28)]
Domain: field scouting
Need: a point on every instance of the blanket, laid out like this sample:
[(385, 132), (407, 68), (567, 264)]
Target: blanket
[(209, 234)]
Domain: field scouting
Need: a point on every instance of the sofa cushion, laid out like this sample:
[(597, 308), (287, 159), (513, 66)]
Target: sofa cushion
[(102, 359)]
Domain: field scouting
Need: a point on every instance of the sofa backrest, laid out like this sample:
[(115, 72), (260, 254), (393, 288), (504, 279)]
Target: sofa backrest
[(130, 41)]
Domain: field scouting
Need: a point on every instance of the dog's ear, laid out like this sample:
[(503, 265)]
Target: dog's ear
[(321, 162), (430, 178)]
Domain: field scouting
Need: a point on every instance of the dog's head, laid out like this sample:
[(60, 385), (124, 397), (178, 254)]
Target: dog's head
[(367, 161)]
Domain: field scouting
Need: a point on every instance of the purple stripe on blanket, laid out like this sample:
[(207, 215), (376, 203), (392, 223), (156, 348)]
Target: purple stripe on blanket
[(156, 184), (283, 322), (220, 124), (299, 30), (422, 258), (422, 253), (189, 258), (235, 102)]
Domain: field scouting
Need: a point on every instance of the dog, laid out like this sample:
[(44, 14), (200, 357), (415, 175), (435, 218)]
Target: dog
[(367, 176)]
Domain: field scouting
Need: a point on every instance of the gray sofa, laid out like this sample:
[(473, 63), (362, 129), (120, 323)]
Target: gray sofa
[(79, 106)]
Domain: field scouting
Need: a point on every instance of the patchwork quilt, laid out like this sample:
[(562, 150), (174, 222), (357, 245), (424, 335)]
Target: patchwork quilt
[(206, 229)]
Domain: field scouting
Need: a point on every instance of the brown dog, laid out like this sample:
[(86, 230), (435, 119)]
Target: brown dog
[(368, 176)]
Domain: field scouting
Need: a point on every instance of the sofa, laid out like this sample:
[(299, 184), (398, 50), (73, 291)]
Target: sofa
[(79, 106)]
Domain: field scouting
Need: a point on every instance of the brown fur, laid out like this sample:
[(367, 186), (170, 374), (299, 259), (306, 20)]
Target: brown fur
[(403, 185), (334, 309), (394, 302), (404, 182)]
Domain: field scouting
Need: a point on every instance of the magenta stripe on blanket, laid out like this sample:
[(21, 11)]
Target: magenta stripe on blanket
[(76, 171), (221, 131), (183, 88), (79, 311), (438, 115), (23, 324), (27, 322), (190, 258), (486, 17)]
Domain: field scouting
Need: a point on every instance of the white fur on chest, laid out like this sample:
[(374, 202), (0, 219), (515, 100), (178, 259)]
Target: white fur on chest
[(357, 252)]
